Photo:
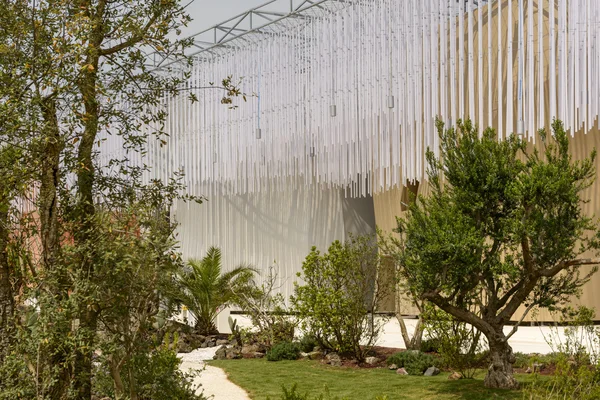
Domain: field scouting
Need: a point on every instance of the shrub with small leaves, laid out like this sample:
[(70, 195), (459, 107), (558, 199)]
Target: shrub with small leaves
[(284, 351), (339, 296), (414, 362), (308, 343)]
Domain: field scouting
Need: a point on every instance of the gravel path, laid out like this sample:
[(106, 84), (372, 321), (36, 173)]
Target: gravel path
[(214, 381)]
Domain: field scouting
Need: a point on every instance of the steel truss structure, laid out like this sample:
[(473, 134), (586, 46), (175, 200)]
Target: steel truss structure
[(345, 93)]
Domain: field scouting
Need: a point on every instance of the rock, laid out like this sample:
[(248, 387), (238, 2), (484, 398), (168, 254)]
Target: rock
[(538, 367), (401, 371), (183, 347), (211, 344), (234, 353), (372, 360), (221, 342), (303, 355), (528, 370), (315, 355), (195, 341), (432, 371), (336, 363), (258, 354), (455, 376), (227, 353), (203, 345), (334, 359), (221, 353), (393, 367), (250, 348)]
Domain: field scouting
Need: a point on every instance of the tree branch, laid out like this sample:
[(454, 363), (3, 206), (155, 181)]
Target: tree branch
[(514, 329), (133, 39), (460, 313)]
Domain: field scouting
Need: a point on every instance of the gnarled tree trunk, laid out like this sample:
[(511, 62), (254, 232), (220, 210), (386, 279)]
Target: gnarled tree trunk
[(6, 295), (500, 372)]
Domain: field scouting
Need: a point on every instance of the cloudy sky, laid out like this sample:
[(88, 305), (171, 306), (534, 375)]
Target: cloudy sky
[(206, 13)]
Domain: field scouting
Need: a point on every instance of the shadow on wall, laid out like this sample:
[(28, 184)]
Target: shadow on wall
[(277, 228)]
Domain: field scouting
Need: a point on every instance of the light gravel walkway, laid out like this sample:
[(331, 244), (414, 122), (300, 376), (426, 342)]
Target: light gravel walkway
[(214, 381)]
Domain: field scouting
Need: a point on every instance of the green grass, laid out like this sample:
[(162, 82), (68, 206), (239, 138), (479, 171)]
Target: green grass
[(262, 378)]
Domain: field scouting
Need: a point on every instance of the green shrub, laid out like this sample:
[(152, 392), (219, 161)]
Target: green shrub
[(414, 362), (458, 343), (157, 375), (339, 294), (569, 382), (284, 351), (521, 360), (431, 345), (308, 343)]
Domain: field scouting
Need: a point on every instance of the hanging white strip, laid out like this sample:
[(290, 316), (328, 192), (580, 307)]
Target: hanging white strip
[(357, 54), (471, 77), (531, 122), (501, 133), (489, 66), (552, 59), (480, 103), (541, 65)]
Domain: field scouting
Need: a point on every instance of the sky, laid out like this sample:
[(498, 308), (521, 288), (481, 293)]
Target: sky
[(206, 13)]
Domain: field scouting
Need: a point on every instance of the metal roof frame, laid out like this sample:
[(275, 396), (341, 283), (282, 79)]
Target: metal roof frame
[(255, 20)]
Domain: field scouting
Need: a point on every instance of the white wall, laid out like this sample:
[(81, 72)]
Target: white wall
[(276, 228)]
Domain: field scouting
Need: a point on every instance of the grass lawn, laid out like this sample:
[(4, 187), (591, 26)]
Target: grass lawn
[(263, 378)]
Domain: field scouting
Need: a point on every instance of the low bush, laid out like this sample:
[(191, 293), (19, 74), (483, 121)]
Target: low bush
[(458, 343), (569, 382), (284, 351), (414, 362), (308, 343), (337, 300), (431, 345)]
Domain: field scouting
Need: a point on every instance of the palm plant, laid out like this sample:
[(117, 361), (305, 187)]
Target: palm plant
[(205, 289)]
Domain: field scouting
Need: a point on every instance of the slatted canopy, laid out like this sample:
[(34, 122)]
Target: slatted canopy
[(345, 93)]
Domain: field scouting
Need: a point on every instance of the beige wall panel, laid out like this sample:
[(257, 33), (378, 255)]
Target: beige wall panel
[(388, 205)]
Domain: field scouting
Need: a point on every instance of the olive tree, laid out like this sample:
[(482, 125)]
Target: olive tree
[(503, 228)]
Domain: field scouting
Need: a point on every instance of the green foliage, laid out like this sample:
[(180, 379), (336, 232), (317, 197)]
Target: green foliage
[(308, 343), (293, 394), (268, 312), (580, 341), (458, 343), (576, 357), (16, 379), (430, 345), (568, 382), (205, 289), (523, 360), (414, 361), (157, 377), (339, 295), (501, 221), (284, 351), (236, 332)]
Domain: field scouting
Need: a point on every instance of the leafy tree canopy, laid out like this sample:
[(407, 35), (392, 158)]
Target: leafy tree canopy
[(503, 227)]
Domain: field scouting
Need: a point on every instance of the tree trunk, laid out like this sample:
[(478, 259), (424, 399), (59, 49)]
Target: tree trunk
[(413, 343), (48, 208), (6, 295), (500, 372), (115, 373), (83, 356)]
